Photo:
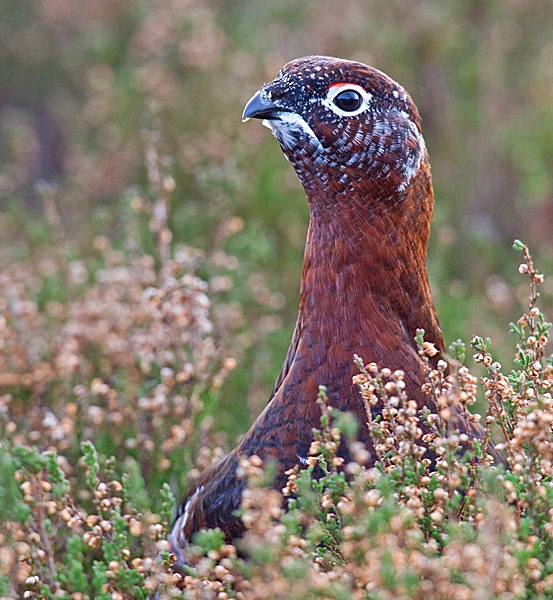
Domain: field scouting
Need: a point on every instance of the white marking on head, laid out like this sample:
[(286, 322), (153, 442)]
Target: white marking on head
[(352, 159), (337, 89), (412, 165), (287, 127)]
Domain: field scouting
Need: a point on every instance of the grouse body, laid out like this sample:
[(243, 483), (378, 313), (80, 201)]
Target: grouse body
[(353, 136)]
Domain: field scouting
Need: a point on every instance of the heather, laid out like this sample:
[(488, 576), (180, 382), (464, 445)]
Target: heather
[(150, 257), (123, 412)]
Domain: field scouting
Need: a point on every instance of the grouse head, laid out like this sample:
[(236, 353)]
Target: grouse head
[(343, 125)]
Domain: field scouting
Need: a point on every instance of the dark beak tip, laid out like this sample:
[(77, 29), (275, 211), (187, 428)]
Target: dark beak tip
[(259, 107), (253, 107)]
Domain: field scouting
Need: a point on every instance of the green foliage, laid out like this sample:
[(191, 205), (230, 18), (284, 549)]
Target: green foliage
[(11, 507), (208, 540), (458, 351)]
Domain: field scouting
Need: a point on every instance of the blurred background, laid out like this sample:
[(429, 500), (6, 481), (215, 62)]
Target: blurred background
[(88, 90)]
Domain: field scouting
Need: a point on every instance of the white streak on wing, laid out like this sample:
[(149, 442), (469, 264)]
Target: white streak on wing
[(174, 535), (287, 127), (189, 503), (302, 459), (180, 523), (184, 515)]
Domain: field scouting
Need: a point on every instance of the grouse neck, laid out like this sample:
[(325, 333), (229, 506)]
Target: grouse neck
[(365, 263)]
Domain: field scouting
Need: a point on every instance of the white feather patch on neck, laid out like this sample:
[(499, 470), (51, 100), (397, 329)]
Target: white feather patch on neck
[(287, 127)]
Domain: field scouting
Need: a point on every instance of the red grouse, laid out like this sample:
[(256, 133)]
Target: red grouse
[(354, 137)]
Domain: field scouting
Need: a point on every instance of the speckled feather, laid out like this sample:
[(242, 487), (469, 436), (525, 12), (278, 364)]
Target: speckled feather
[(364, 287)]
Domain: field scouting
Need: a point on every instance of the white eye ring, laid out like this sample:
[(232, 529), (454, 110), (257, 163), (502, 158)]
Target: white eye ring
[(337, 89)]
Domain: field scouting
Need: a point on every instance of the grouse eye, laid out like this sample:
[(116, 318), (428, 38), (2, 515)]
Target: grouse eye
[(348, 100)]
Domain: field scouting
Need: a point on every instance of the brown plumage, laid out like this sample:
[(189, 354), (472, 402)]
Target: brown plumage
[(354, 137)]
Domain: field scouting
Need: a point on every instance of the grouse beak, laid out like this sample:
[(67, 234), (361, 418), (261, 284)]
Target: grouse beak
[(259, 107)]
